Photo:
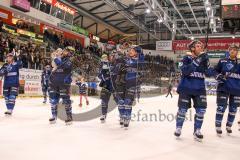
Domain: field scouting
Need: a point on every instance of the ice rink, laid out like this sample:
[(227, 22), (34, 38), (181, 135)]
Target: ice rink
[(27, 135)]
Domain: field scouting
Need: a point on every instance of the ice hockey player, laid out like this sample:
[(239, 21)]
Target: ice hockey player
[(60, 82), (128, 83), (82, 90), (228, 89), (45, 81), (107, 77), (195, 65), (169, 90), (10, 72)]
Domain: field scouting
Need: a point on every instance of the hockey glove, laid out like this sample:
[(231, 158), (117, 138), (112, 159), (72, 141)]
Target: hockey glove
[(221, 78), (57, 61)]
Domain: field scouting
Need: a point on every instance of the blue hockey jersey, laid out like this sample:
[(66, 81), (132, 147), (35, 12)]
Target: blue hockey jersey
[(82, 87), (193, 77), (11, 74), (106, 75), (131, 69), (45, 76), (230, 69), (63, 74)]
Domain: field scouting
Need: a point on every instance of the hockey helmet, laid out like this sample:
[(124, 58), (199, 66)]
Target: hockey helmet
[(70, 50), (193, 43), (10, 54), (233, 46)]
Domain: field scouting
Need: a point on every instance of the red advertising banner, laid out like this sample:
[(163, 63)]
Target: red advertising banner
[(52, 2), (213, 44), (22, 5), (61, 6), (6, 16), (0, 87), (74, 36)]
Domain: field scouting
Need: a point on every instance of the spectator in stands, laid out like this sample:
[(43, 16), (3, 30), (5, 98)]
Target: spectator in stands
[(1, 25)]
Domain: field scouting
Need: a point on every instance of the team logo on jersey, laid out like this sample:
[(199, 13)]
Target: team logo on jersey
[(233, 75), (9, 68), (229, 66), (197, 75)]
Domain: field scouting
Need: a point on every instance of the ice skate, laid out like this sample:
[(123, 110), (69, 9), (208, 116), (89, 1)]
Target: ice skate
[(239, 125), (103, 118), (198, 136), (126, 123), (44, 101), (8, 113), (229, 130), (219, 131), (68, 121), (121, 122), (178, 132), (52, 120)]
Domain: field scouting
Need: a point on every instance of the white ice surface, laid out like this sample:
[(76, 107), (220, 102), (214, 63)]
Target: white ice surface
[(27, 135)]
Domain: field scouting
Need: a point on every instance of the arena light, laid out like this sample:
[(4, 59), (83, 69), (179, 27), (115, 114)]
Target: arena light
[(206, 2), (211, 21), (148, 11), (208, 8), (192, 38), (160, 20), (233, 37), (214, 30), (153, 5), (136, 0)]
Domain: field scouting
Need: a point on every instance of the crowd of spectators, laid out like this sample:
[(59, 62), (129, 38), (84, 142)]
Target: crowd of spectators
[(87, 59), (157, 67), (31, 54), (58, 41)]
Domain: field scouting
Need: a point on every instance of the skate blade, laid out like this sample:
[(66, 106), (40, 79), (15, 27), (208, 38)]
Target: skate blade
[(197, 139), (68, 123), (177, 137), (8, 115), (219, 135), (53, 122), (229, 134), (125, 128), (102, 121)]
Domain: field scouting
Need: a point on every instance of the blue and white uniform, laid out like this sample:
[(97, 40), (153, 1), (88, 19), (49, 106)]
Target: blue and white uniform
[(82, 87), (128, 83), (10, 72), (228, 89), (45, 82), (192, 87), (106, 76), (60, 82)]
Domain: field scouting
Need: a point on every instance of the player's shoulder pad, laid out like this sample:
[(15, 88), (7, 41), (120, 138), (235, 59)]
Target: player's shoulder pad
[(223, 60), (187, 59), (5, 64)]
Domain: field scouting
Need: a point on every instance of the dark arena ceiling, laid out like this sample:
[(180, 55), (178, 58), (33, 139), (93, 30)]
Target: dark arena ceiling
[(151, 20)]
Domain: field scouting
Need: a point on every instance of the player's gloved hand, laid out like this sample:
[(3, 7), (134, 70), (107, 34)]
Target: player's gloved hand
[(68, 80), (220, 78), (202, 59), (57, 61), (4, 70), (232, 68)]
